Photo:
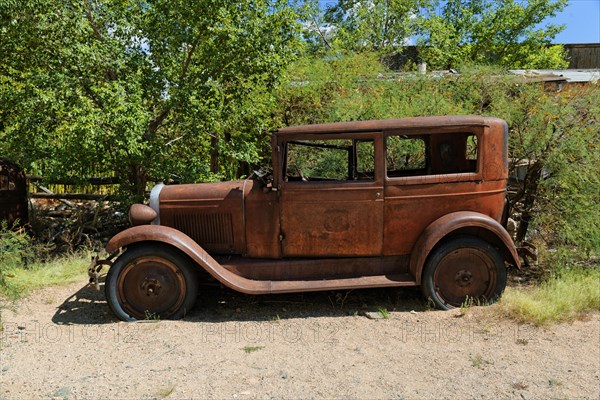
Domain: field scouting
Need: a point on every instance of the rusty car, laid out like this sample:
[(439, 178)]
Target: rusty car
[(384, 203)]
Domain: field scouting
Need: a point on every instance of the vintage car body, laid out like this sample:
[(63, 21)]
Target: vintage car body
[(416, 201)]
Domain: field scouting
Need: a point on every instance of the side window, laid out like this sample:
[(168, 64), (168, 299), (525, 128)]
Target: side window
[(365, 160), (435, 154), (405, 156), (330, 160)]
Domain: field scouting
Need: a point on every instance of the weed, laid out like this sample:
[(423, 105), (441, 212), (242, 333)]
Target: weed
[(166, 392), (554, 382), (479, 362), (341, 299), (385, 314), (252, 349), (150, 316), (465, 306), (430, 306)]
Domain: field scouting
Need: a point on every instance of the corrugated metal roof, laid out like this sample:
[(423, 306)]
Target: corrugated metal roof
[(552, 75)]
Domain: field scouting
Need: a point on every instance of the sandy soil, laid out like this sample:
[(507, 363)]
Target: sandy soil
[(64, 343)]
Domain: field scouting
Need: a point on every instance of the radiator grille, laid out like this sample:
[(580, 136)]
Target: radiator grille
[(206, 228)]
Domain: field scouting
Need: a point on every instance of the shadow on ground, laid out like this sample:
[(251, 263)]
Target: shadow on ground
[(216, 303)]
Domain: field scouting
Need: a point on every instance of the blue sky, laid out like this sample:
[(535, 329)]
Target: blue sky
[(581, 17)]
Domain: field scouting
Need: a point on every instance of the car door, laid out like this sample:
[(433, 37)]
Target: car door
[(331, 199)]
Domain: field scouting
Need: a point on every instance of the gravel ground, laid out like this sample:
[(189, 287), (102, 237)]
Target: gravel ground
[(64, 343)]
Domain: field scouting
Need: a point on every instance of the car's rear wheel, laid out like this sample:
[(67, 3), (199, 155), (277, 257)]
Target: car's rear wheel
[(463, 269), (151, 281)]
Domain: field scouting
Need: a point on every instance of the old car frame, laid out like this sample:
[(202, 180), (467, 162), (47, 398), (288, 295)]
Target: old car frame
[(401, 202)]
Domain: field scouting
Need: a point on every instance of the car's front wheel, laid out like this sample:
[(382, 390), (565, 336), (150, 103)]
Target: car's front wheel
[(151, 281), (463, 269)]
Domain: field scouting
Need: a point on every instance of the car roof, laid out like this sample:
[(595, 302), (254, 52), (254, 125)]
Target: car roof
[(389, 124)]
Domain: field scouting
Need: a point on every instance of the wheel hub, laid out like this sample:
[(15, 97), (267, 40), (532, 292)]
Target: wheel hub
[(463, 278), (151, 286)]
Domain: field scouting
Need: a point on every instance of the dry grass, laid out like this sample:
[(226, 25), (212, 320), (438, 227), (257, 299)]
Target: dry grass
[(564, 297), (20, 281)]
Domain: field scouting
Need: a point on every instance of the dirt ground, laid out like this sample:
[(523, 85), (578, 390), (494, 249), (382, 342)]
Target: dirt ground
[(64, 343)]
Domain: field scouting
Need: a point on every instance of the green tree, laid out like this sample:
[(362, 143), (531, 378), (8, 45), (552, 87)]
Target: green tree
[(555, 134), (380, 25), (499, 32), (140, 89)]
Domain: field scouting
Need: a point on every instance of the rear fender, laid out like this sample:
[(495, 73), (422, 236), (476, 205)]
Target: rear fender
[(182, 242), (459, 223)]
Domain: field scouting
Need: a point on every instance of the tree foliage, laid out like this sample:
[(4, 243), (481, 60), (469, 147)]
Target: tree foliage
[(495, 32), (379, 25), (555, 134), (187, 90), (500, 32), (140, 89)]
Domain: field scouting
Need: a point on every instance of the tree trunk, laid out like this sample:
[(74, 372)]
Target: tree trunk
[(529, 198), (214, 154), (138, 179)]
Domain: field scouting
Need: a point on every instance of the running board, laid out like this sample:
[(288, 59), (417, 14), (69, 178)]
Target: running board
[(177, 239), (362, 282)]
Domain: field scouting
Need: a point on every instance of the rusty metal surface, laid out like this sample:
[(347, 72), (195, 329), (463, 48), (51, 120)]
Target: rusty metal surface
[(262, 226), (388, 124), (13, 193), (462, 222), (234, 281), (212, 214), (306, 235), (151, 285), (465, 273), (528, 252), (140, 214), (97, 265), (315, 268), (327, 222)]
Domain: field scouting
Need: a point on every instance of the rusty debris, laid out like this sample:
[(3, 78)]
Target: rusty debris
[(13, 193)]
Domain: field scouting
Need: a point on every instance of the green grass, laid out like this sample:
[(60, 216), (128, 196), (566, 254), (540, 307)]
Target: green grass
[(566, 296), (385, 314), (252, 349), (20, 281)]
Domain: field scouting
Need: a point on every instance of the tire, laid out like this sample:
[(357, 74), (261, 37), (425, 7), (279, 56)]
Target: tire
[(463, 269), (151, 281)]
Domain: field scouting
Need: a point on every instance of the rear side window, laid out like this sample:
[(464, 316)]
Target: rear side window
[(435, 154)]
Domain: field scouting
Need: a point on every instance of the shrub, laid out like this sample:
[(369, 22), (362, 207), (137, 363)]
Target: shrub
[(555, 133)]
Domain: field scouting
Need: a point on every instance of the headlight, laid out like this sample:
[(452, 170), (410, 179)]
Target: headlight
[(140, 214)]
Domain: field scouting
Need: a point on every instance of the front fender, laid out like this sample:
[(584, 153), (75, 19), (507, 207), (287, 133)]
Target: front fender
[(467, 222), (182, 242)]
